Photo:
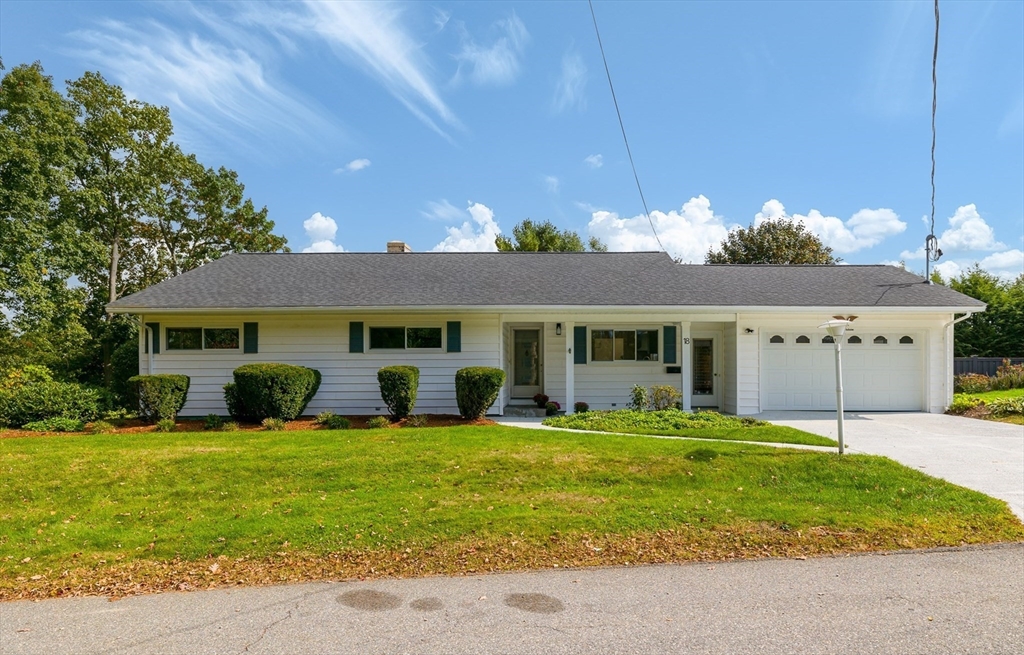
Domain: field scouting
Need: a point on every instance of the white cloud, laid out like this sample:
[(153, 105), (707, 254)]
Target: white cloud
[(948, 270), (497, 64), (687, 234), (353, 166), (475, 235), (441, 18), (552, 183), (967, 232), (594, 161), (866, 228), (586, 206), (209, 86), (444, 211), (571, 87), (321, 231)]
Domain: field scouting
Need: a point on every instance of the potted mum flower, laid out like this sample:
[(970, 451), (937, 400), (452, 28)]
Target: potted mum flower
[(552, 407), (541, 400)]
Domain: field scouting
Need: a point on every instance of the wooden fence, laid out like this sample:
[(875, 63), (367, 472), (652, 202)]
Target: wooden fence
[(983, 365)]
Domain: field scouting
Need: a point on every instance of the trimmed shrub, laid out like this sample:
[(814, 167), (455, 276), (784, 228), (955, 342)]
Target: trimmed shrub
[(166, 425), (378, 422), (159, 396), (31, 401), (398, 385), (476, 389), (213, 422), (270, 391), (99, 427), (55, 424), (971, 383), (273, 424), (580, 407), (416, 421)]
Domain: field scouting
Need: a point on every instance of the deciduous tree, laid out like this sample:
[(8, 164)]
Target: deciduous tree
[(531, 236), (778, 241)]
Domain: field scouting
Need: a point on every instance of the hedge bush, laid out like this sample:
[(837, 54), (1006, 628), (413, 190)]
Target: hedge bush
[(398, 385), (55, 424), (33, 401), (476, 389), (159, 396), (124, 365), (262, 391)]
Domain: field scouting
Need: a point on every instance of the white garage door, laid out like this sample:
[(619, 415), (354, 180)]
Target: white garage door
[(882, 371)]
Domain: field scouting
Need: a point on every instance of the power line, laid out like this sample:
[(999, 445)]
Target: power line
[(935, 60), (618, 113)]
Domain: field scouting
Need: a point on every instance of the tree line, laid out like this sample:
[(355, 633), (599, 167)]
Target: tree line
[(97, 201)]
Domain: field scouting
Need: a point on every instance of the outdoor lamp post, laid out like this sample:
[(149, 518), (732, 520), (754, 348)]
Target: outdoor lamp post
[(836, 328)]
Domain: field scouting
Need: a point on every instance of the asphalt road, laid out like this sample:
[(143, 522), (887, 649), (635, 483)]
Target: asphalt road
[(952, 601)]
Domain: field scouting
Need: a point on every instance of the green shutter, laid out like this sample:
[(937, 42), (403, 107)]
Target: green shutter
[(454, 336), (251, 343), (670, 343), (355, 337), (579, 344), (155, 327)]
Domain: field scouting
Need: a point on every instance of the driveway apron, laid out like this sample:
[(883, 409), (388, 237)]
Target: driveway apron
[(986, 456)]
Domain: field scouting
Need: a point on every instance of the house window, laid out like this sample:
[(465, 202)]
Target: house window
[(401, 338), (803, 339), (906, 339), (880, 340), (623, 345), (854, 339), (220, 338), (776, 338), (828, 339), (184, 338)]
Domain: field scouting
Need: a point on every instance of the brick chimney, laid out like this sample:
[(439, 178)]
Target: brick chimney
[(398, 246)]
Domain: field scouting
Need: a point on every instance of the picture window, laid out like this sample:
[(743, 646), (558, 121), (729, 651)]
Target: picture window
[(624, 345), (402, 338)]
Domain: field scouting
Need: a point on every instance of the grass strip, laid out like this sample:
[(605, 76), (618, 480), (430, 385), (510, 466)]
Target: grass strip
[(125, 514)]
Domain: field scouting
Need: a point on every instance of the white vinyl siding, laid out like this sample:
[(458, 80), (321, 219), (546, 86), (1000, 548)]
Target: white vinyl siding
[(554, 363), (349, 383), (606, 385)]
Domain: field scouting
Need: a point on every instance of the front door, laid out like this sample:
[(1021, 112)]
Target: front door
[(526, 362), (705, 374)]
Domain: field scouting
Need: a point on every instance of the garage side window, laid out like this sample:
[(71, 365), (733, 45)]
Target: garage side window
[(803, 339), (880, 340), (777, 338), (905, 339), (854, 340), (827, 339)]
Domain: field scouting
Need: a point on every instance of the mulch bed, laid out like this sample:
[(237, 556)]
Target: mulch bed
[(133, 426)]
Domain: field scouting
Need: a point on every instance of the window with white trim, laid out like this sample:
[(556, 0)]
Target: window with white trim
[(608, 345), (405, 338), (194, 338)]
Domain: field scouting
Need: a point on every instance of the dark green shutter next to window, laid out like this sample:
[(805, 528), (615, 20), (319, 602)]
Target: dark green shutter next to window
[(670, 344), (251, 338), (579, 344), (155, 327), (355, 337), (454, 336)]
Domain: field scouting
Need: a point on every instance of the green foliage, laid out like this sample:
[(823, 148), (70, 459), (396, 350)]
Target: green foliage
[(56, 424), (270, 391), (664, 396), (552, 407), (321, 418), (160, 396), (971, 383), (476, 389), (639, 399), (999, 330), (416, 421), (166, 425), (213, 422), (675, 422), (778, 241), (398, 386), (1008, 376), (230, 426), (31, 374), (335, 422), (273, 424), (124, 365), (377, 422), (531, 236), (99, 427), (29, 402), (579, 407), (1006, 406), (963, 403)]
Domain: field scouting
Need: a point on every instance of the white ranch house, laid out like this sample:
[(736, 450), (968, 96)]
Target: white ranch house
[(574, 326)]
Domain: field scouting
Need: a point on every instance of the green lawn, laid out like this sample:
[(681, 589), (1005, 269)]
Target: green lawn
[(120, 514), (1003, 393), (696, 425)]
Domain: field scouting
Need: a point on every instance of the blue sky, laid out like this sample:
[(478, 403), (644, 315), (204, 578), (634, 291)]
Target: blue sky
[(443, 123)]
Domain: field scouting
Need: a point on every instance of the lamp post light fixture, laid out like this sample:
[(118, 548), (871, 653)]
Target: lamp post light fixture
[(836, 328)]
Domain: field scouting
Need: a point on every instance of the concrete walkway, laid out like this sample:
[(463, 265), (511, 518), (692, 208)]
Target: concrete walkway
[(987, 456)]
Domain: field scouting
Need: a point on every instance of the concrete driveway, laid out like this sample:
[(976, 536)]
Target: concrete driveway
[(983, 455)]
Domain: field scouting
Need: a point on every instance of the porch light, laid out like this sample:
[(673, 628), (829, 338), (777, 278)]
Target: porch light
[(836, 328), (558, 329)]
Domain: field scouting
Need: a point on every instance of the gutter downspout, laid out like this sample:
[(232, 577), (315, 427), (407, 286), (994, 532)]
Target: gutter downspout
[(147, 333), (948, 335)]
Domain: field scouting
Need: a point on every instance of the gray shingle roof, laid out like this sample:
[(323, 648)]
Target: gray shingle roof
[(348, 280)]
